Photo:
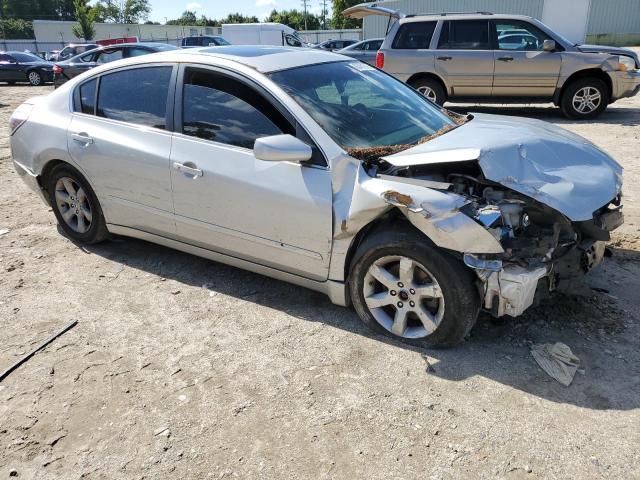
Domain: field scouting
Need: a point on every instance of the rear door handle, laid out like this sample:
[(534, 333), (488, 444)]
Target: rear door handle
[(187, 170), (505, 59), (82, 138), (445, 58)]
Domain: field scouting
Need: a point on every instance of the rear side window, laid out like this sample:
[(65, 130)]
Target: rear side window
[(88, 97), (136, 96), (465, 35), (225, 110), (374, 45), (109, 56), (414, 35)]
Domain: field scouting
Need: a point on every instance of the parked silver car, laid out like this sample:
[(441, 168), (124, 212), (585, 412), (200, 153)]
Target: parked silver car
[(364, 51), (320, 170), (484, 57)]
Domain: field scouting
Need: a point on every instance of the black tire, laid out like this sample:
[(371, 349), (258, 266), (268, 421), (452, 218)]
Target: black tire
[(97, 229), (568, 106), (457, 283), (435, 87), (35, 78)]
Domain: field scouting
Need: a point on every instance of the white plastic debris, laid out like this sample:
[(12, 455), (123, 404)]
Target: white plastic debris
[(4, 231), (557, 360)]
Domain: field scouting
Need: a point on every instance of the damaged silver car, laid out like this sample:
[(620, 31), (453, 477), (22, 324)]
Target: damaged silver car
[(322, 171)]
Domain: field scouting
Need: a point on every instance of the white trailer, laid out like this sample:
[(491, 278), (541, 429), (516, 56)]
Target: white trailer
[(261, 34)]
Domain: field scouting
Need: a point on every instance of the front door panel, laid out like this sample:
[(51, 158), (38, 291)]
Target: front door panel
[(529, 74), (276, 214)]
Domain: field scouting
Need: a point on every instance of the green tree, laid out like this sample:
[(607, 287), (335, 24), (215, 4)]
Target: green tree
[(16, 28), (187, 18), (84, 28), (37, 9), (340, 21), (295, 19), (121, 11)]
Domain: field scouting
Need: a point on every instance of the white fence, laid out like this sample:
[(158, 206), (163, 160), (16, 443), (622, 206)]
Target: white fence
[(317, 36)]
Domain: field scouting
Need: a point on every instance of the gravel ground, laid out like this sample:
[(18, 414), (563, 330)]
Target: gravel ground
[(184, 368)]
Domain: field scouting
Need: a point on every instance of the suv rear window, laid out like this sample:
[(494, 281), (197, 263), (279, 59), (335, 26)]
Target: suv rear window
[(414, 35), (464, 35)]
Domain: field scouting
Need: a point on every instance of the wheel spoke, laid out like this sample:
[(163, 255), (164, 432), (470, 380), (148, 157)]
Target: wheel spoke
[(82, 227), (81, 195), (406, 270), (62, 196), (399, 322), (86, 213), (429, 291), (383, 276), (427, 319), (68, 215), (378, 300), (68, 185)]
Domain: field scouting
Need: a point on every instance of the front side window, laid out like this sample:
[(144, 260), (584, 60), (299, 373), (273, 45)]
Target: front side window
[(292, 41), (361, 107), (414, 35), (219, 41), (374, 45), (107, 56), (464, 35), (4, 58), (136, 96), (519, 35), (223, 109)]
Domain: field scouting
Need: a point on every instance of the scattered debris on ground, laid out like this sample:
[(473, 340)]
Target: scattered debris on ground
[(557, 360)]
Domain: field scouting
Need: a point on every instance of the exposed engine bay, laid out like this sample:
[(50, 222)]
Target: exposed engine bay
[(538, 241)]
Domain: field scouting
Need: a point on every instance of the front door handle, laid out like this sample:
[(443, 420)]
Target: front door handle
[(82, 138), (445, 58), (505, 59), (187, 170)]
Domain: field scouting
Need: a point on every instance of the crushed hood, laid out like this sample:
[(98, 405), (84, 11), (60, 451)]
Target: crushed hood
[(535, 158), (609, 50)]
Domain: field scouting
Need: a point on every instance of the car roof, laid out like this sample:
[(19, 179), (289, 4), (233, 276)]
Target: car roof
[(462, 16), (262, 58), (135, 44)]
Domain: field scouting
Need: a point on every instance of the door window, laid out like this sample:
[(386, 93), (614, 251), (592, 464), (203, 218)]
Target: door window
[(519, 35), (225, 110), (292, 41), (137, 51), (107, 56), (88, 97), (136, 96), (414, 35), (373, 45), (464, 35), (4, 58)]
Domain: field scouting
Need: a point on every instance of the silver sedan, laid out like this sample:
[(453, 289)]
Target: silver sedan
[(314, 168)]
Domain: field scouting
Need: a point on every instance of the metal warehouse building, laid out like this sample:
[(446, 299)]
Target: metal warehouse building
[(611, 22)]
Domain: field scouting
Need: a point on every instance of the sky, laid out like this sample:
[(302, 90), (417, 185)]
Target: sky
[(221, 8)]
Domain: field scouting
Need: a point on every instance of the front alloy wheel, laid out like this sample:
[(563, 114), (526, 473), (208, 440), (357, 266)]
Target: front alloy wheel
[(405, 287), (587, 100), (403, 297), (584, 98), (34, 78)]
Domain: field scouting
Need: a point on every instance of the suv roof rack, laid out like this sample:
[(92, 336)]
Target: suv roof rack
[(444, 14)]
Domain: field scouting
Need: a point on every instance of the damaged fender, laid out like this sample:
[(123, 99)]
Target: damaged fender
[(360, 199)]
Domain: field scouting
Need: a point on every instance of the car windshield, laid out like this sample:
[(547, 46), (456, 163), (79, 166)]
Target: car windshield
[(220, 41), (364, 110), (26, 57)]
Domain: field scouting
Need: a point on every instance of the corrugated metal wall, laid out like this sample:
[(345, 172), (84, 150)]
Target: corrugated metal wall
[(614, 22), (375, 26)]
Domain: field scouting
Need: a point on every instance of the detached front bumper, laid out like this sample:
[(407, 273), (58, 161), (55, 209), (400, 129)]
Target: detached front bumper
[(511, 289), (624, 84)]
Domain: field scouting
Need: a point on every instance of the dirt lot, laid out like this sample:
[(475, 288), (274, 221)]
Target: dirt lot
[(185, 368)]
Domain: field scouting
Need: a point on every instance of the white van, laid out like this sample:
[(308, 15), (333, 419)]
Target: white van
[(261, 34)]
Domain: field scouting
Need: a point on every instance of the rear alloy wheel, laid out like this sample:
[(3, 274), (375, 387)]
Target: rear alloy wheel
[(75, 205), (403, 286), (585, 98), (35, 78), (431, 89)]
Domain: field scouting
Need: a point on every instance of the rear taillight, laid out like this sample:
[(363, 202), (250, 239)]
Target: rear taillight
[(57, 70), (19, 116), (379, 60)]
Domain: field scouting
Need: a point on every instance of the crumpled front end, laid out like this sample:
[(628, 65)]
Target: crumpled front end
[(526, 206)]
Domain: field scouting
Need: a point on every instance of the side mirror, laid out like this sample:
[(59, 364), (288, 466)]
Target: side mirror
[(549, 45), (281, 148)]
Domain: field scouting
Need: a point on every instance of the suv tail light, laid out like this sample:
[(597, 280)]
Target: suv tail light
[(379, 60), (57, 70), (19, 116)]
